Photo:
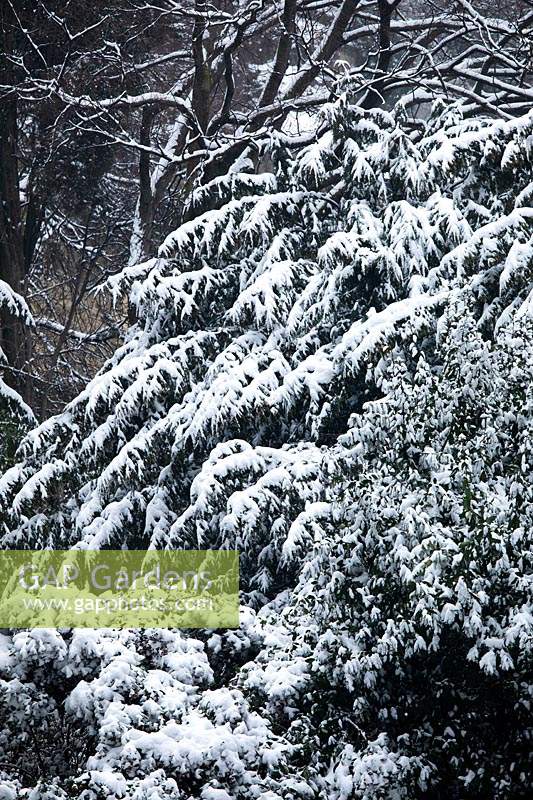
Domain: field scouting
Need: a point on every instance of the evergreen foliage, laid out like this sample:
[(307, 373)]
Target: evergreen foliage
[(15, 415), (331, 371)]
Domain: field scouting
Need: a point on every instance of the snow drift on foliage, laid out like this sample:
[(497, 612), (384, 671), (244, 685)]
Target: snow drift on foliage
[(331, 371)]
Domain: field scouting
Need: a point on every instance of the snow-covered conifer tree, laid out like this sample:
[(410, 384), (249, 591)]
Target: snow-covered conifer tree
[(331, 372), (253, 325)]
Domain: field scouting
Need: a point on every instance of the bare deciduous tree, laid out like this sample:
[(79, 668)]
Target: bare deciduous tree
[(135, 103)]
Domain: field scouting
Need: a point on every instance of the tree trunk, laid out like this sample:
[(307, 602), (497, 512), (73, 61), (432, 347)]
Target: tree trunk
[(14, 337)]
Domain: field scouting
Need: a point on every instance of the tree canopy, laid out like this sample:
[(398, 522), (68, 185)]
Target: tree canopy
[(330, 371)]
